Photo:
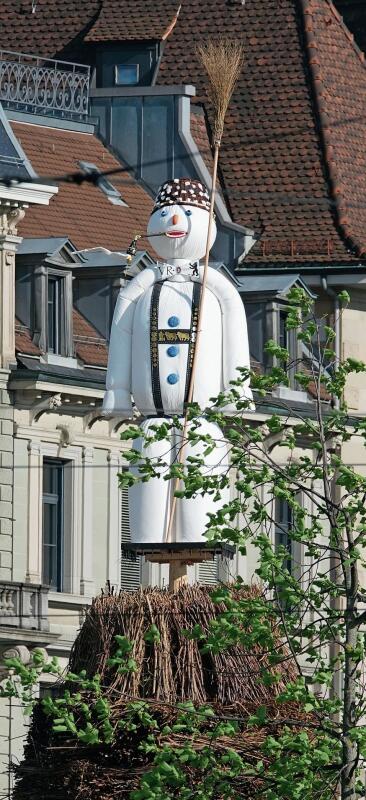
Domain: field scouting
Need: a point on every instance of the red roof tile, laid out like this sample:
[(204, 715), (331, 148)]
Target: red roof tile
[(279, 174), (82, 213), (50, 29), (339, 78), (23, 340), (201, 137), (133, 19), (292, 159), (89, 347), (55, 28)]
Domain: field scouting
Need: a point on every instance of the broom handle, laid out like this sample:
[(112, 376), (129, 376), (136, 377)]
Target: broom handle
[(168, 532)]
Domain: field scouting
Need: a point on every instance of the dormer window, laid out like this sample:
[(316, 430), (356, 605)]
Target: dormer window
[(127, 63), (55, 302), (126, 74), (43, 297)]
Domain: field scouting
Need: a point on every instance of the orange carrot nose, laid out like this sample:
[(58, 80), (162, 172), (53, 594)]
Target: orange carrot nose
[(175, 219)]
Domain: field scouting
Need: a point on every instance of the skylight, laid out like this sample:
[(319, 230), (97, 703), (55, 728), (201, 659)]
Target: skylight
[(113, 195)]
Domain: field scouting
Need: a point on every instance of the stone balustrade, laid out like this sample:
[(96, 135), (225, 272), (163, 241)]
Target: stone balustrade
[(24, 605)]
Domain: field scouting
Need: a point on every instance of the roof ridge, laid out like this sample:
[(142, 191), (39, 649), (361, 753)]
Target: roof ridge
[(335, 185), (170, 27)]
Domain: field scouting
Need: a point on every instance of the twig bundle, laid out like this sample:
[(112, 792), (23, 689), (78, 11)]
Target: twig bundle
[(174, 669), (223, 62), (170, 670)]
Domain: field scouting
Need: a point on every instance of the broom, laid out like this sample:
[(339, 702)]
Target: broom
[(223, 63)]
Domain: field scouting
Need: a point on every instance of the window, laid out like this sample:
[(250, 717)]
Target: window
[(257, 333), (102, 183), (126, 74), (283, 339), (283, 525), (288, 340), (53, 523), (55, 321), (55, 315)]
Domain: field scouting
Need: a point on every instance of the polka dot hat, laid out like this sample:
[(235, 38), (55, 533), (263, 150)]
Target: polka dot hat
[(182, 191)]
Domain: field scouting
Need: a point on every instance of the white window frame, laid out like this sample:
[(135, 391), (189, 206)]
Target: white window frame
[(78, 510), (116, 68)]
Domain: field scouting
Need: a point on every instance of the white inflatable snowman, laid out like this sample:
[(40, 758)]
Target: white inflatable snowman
[(151, 351)]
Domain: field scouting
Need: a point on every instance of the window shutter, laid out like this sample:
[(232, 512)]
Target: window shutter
[(208, 571), (130, 570)]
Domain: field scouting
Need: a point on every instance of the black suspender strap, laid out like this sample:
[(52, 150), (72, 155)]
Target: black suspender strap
[(164, 336), (196, 302), (154, 348)]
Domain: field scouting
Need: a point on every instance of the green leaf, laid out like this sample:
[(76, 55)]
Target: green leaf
[(344, 297), (152, 635)]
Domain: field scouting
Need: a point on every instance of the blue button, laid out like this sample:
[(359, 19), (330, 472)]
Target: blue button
[(172, 351), (173, 322), (173, 378)]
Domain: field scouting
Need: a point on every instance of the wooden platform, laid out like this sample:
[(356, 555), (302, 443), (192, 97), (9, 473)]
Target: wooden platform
[(178, 555), (194, 552)]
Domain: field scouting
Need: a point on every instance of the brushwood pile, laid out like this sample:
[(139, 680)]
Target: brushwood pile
[(170, 669)]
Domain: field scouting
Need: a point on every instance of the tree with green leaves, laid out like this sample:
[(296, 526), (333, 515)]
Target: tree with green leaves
[(310, 561), (308, 609)]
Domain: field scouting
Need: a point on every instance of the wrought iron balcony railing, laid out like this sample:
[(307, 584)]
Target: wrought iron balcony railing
[(44, 86), (24, 605)]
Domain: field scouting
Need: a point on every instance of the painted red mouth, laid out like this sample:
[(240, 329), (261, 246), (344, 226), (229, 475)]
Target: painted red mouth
[(175, 234)]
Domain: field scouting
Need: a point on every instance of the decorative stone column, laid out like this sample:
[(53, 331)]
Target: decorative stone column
[(34, 513), (114, 520), (10, 216), (87, 576), (9, 219)]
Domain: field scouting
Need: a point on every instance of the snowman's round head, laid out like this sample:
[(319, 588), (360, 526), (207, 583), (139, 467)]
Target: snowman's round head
[(180, 218)]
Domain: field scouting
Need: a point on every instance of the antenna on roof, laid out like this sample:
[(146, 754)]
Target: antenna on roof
[(34, 6)]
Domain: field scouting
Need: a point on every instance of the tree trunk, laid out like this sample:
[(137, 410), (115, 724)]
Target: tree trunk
[(350, 749)]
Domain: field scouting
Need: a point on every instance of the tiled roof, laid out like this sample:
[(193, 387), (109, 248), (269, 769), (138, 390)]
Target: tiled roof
[(23, 340), (292, 157), (133, 19), (82, 213), (201, 137), (49, 29), (89, 347), (56, 28)]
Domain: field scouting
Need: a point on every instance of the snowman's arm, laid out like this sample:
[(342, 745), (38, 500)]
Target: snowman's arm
[(117, 398), (235, 344)]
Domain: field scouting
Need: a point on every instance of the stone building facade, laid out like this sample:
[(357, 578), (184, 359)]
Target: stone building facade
[(291, 211)]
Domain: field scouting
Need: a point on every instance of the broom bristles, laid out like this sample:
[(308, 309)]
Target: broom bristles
[(223, 62)]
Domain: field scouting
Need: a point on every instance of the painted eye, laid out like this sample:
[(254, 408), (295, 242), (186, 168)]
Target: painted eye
[(164, 212), (188, 212)]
